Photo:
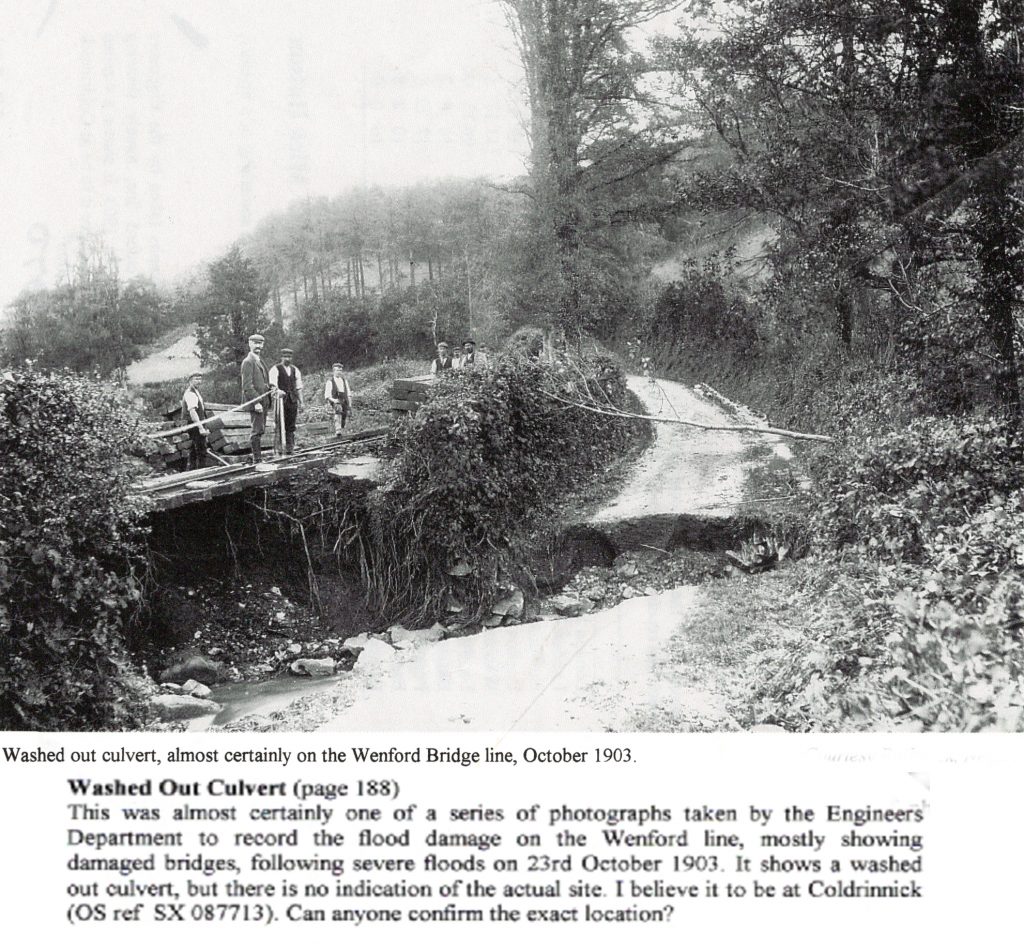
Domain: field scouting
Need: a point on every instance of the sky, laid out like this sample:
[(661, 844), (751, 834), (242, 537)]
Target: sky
[(171, 127)]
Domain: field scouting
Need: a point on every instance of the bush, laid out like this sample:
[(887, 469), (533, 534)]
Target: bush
[(71, 551), (473, 471), (891, 493)]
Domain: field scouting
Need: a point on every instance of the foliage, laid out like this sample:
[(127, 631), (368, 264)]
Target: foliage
[(882, 140), (474, 469), (70, 553), (701, 312), (231, 310), (598, 143), (924, 628), (93, 322), (889, 494)]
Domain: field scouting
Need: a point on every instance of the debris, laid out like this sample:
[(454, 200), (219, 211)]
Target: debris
[(313, 667), (173, 707), (511, 605)]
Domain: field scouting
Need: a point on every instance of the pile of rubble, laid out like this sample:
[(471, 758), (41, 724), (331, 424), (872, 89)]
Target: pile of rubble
[(633, 574)]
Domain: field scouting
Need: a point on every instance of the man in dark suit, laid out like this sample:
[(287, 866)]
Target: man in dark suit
[(256, 383)]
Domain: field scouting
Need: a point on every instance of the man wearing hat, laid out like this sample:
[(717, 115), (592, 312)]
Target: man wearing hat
[(443, 362), (256, 383), (339, 397), (193, 410), (470, 358), (288, 381)]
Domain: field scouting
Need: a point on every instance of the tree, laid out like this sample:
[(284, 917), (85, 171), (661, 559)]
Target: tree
[(882, 138), (94, 321), (233, 308), (596, 139)]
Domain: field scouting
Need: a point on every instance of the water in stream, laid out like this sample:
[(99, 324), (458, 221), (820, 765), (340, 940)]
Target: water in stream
[(248, 699)]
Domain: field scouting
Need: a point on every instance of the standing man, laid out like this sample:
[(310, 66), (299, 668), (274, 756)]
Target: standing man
[(339, 397), (256, 382), (456, 357), (288, 381), (193, 410), (443, 362), (470, 358)]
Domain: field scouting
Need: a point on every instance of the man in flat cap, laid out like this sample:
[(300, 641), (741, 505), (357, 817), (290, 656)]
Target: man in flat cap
[(443, 361), (256, 383), (288, 381), (338, 394)]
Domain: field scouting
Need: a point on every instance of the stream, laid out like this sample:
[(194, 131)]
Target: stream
[(269, 696)]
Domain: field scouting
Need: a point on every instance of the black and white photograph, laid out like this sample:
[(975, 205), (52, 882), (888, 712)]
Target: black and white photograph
[(595, 366)]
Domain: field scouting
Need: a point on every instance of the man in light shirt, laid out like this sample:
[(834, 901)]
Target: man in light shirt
[(288, 380), (193, 410), (339, 396)]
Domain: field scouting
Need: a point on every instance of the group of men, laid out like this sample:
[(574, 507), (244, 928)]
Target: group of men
[(460, 358), (279, 388)]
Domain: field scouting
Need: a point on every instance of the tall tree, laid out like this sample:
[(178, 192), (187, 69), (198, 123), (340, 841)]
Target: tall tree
[(595, 138), (233, 309)]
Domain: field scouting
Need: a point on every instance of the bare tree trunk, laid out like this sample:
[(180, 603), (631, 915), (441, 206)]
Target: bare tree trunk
[(430, 270), (348, 277), (362, 277)]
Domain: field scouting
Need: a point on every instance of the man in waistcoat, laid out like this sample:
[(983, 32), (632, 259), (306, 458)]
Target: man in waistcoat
[(339, 397), (193, 410), (288, 381), (256, 383), (470, 357), (443, 362)]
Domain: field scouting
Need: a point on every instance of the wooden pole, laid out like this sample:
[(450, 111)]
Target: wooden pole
[(623, 414), (165, 433)]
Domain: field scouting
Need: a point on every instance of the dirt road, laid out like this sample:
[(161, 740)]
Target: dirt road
[(619, 670)]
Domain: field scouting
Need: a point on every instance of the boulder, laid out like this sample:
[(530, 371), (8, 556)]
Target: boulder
[(193, 688), (199, 668), (494, 620), (425, 635), (374, 654), (626, 567), (460, 569), (628, 592), (595, 593), (511, 605), (355, 644), (174, 707), (313, 667), (569, 606), (766, 728), (172, 688)]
